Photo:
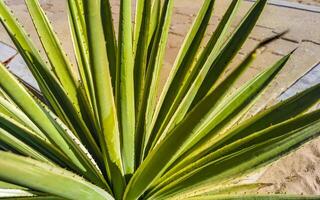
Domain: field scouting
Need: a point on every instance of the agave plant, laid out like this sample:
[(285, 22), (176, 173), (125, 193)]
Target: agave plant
[(102, 132)]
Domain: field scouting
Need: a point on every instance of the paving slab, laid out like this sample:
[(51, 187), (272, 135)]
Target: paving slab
[(307, 2), (6, 53), (271, 22), (18, 67), (300, 5), (311, 78)]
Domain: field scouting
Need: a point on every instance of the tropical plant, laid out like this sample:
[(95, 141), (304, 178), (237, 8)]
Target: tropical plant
[(101, 132)]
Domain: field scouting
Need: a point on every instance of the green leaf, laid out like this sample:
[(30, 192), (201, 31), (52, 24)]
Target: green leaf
[(110, 136), (20, 146), (55, 131), (278, 113), (47, 178), (195, 126), (221, 91), (140, 67), (109, 126), (28, 105), (9, 109), (58, 59), (243, 161), (222, 188), (140, 7), (110, 39), (230, 49), (153, 70), (11, 191), (18, 196), (154, 19), (256, 197), (125, 88), (5, 185), (185, 168), (14, 193), (174, 100), (46, 80), (85, 91), (239, 188), (80, 44), (48, 83), (91, 172), (32, 90), (20, 133)]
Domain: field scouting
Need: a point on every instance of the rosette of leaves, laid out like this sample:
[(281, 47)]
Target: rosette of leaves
[(98, 130)]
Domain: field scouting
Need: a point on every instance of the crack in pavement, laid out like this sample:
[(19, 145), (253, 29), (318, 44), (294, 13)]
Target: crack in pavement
[(311, 41), (290, 40)]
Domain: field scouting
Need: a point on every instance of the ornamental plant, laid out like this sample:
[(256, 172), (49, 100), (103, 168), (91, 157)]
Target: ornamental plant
[(98, 130)]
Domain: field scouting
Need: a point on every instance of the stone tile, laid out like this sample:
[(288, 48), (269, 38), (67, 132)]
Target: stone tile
[(273, 20), (302, 25), (300, 62), (6, 52), (19, 68), (311, 78)]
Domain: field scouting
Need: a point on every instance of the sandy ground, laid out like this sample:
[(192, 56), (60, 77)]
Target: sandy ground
[(298, 172)]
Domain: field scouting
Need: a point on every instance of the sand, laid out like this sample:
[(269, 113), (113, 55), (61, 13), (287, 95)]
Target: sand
[(297, 173)]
